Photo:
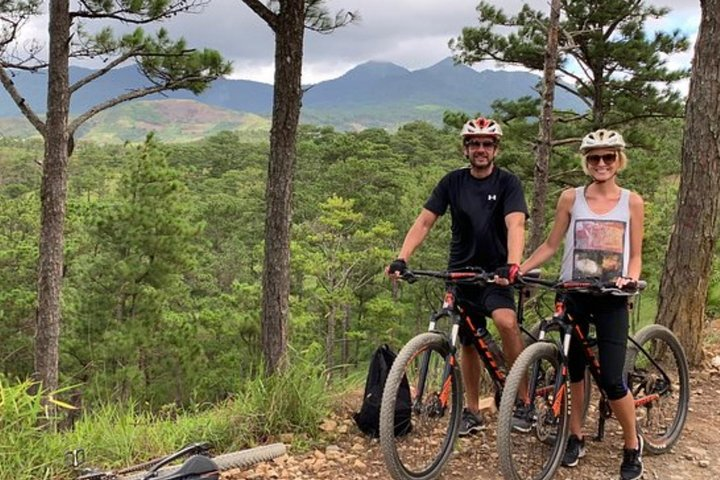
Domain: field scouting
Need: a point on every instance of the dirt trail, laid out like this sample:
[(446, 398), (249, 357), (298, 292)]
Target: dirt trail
[(347, 454)]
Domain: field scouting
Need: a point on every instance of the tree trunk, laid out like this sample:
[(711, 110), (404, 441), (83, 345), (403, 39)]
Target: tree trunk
[(287, 98), (330, 339), (345, 354), (53, 197), (684, 284), (544, 147)]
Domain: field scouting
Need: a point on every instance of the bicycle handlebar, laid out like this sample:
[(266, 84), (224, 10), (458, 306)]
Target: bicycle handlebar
[(467, 276), (479, 276), (585, 286)]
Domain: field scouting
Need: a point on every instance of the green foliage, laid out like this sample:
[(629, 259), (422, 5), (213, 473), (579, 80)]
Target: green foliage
[(294, 400), (117, 434), (164, 250), (173, 64), (141, 240), (713, 301), (19, 217), (618, 68), (161, 305), (27, 450)]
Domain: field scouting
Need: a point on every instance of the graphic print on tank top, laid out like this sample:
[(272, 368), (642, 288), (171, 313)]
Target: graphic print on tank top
[(599, 247)]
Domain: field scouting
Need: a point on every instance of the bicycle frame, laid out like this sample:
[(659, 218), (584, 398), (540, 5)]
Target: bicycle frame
[(456, 314), (570, 329)]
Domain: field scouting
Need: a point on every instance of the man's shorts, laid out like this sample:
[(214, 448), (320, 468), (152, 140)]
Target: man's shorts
[(478, 303)]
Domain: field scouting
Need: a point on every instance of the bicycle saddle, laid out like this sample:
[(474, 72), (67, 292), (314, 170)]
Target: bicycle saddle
[(197, 467)]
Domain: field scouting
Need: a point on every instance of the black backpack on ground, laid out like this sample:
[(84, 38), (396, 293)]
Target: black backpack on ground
[(368, 418)]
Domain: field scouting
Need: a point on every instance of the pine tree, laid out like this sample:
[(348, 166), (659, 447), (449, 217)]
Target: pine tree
[(688, 265), (613, 65), (167, 65), (132, 321), (288, 20)]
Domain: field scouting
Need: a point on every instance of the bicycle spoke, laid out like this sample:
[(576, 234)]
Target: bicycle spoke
[(534, 454), (659, 384), (435, 400)]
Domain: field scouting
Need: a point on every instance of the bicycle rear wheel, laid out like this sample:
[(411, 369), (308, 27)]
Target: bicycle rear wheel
[(435, 388), (660, 384), (534, 455), (227, 461)]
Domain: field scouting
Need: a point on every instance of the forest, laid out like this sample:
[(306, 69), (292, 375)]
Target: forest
[(164, 250)]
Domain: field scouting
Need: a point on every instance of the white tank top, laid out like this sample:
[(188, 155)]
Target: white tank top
[(597, 246)]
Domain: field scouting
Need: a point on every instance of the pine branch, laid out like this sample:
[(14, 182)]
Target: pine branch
[(99, 73), (317, 18), (20, 101), (574, 92), (565, 141), (572, 75), (22, 66), (642, 117), (574, 118), (270, 17), (126, 15), (131, 95)]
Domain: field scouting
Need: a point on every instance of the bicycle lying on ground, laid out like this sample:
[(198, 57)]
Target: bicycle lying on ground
[(655, 368), (198, 466), (428, 365)]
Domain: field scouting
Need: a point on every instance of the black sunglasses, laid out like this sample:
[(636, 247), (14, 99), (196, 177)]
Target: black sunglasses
[(480, 143), (607, 158)]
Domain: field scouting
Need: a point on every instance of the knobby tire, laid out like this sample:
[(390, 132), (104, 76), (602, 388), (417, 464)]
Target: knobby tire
[(227, 461), (402, 454)]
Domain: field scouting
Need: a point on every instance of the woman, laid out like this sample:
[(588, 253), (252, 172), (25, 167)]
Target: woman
[(601, 225)]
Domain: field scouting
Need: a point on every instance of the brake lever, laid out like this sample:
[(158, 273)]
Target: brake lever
[(409, 277)]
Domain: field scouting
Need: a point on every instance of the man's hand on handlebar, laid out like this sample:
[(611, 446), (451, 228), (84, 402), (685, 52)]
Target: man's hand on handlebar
[(507, 274), (396, 269)]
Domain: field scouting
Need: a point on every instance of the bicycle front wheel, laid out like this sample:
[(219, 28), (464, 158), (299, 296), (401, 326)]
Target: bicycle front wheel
[(227, 461), (426, 368), (554, 334), (534, 455), (659, 380)]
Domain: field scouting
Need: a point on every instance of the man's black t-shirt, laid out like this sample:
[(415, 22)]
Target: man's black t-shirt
[(478, 208)]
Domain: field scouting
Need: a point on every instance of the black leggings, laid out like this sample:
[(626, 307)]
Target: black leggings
[(610, 316)]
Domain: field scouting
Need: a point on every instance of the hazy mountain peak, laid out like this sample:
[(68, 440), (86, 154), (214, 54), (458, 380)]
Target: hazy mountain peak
[(447, 65), (373, 94), (377, 69)]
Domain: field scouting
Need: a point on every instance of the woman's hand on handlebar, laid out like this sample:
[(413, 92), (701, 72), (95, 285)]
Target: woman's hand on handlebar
[(626, 282)]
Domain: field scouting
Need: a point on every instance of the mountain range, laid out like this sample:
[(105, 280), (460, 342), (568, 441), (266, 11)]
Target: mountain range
[(373, 94)]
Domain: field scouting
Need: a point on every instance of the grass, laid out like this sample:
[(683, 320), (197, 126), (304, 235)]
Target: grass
[(115, 435)]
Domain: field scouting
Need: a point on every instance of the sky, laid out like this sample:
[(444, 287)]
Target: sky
[(410, 33)]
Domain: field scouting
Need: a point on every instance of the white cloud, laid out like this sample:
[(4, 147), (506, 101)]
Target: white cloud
[(410, 33)]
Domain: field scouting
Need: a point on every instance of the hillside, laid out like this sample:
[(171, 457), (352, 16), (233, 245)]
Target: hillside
[(373, 94), (170, 120)]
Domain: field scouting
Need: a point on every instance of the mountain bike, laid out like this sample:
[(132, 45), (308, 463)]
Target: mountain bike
[(198, 466), (655, 368), (428, 365)]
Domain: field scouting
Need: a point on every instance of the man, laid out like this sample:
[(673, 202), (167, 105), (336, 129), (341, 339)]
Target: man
[(488, 212)]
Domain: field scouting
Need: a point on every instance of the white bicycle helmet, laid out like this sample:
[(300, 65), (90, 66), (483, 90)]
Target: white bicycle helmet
[(481, 126), (602, 139)]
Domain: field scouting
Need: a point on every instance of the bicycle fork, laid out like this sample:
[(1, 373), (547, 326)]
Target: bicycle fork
[(445, 388)]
